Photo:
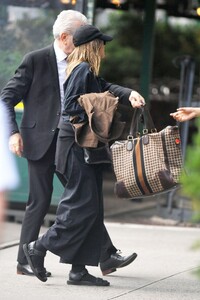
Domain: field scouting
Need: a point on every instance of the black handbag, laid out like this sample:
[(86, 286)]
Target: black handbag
[(99, 155)]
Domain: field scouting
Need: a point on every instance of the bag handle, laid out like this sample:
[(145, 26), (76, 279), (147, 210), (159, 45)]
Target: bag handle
[(149, 126), (142, 116), (134, 128)]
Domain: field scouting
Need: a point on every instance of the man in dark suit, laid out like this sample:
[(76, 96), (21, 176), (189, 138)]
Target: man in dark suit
[(38, 82)]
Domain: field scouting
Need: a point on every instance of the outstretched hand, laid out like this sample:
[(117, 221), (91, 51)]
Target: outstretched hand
[(185, 113)]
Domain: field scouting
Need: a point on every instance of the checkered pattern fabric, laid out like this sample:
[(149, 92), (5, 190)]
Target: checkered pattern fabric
[(152, 166)]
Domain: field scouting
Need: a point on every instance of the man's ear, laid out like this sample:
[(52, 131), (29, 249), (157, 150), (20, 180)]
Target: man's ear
[(64, 37)]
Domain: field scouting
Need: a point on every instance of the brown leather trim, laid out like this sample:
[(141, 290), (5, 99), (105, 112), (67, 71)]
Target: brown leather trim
[(121, 190), (139, 168)]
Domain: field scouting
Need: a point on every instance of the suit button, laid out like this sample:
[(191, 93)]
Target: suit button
[(53, 130), (58, 114)]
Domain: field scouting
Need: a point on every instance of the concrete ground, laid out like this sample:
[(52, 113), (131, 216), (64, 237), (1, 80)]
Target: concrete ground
[(159, 230), (164, 269)]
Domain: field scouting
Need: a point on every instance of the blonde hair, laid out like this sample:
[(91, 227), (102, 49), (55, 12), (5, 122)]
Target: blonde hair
[(89, 52)]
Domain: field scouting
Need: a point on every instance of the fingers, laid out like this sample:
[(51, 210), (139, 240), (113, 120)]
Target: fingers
[(180, 116), (184, 109), (16, 144), (177, 116), (136, 99), (16, 149), (173, 114)]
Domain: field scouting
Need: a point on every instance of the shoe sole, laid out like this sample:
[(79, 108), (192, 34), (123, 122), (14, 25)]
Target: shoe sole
[(86, 283), (25, 248), (24, 273), (109, 271), (30, 274)]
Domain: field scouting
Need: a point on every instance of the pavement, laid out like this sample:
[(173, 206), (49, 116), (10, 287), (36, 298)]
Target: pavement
[(164, 269), (161, 234)]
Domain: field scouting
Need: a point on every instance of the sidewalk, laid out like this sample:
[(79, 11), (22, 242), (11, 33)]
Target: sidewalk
[(163, 269)]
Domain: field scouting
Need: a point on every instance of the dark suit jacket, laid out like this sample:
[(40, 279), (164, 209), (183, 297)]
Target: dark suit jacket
[(36, 83)]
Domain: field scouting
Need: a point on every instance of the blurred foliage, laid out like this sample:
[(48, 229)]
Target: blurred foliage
[(170, 41), (123, 55), (191, 177), (122, 64), (20, 37), (196, 246)]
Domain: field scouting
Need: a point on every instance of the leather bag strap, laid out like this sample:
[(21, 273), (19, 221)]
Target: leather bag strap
[(148, 121), (141, 116)]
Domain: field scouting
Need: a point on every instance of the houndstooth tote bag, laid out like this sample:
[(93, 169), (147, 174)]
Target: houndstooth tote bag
[(147, 164)]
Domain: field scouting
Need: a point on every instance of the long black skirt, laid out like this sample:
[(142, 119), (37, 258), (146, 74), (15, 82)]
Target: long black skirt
[(76, 235)]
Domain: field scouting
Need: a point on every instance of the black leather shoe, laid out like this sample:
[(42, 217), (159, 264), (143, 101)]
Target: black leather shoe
[(116, 261), (84, 278), (26, 270), (35, 259)]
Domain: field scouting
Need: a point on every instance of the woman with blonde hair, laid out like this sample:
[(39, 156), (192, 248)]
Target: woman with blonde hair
[(77, 234)]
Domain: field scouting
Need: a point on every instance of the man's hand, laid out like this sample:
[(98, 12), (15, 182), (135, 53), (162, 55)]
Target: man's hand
[(16, 144), (136, 99)]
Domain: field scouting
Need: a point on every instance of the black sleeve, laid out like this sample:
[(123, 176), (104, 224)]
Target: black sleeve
[(119, 91), (16, 89)]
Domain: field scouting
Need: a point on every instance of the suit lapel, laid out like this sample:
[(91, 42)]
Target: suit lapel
[(53, 67)]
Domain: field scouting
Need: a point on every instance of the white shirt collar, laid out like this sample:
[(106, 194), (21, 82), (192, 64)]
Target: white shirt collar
[(60, 55)]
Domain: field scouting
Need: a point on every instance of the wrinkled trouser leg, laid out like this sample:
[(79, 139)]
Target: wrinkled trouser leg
[(41, 174)]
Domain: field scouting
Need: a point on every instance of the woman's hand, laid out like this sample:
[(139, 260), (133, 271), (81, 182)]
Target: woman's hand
[(136, 99), (186, 113)]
